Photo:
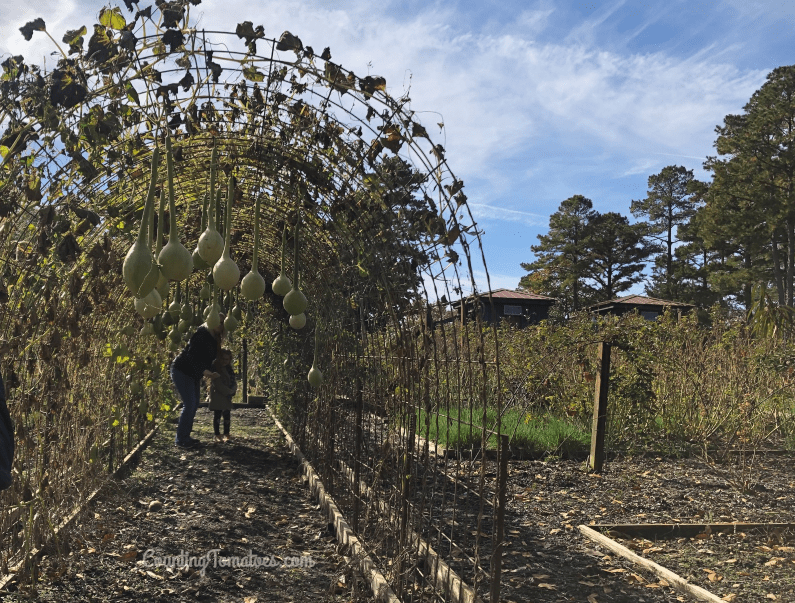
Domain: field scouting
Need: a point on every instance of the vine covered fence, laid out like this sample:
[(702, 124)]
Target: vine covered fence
[(386, 239)]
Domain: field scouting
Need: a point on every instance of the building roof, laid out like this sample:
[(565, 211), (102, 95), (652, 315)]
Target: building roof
[(639, 300), (508, 294)]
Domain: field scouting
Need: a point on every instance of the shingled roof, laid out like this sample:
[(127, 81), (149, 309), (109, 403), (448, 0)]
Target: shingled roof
[(504, 294), (639, 300)]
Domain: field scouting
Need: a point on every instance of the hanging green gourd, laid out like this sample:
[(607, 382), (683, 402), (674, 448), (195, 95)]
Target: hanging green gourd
[(253, 285), (226, 274), (162, 281), (298, 321), (176, 262), (295, 301), (183, 325), (152, 279), (198, 261), (281, 284), (204, 293), (167, 319), (237, 312), (211, 243), (230, 323), (186, 311), (147, 329), (149, 306), (315, 376), (138, 261), (174, 308), (213, 319)]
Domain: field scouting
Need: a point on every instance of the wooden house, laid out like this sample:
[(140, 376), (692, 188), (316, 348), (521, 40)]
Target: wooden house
[(516, 307), (648, 307)]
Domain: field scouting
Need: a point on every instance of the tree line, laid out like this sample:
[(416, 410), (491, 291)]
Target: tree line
[(707, 242)]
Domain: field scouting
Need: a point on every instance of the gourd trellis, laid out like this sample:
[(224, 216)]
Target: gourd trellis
[(386, 239)]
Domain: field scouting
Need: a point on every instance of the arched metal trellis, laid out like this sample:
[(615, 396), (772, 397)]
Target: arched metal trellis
[(387, 240)]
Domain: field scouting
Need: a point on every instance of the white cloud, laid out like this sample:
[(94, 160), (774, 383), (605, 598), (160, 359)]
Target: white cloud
[(484, 213)]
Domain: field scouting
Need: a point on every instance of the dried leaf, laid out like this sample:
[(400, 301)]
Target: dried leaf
[(129, 555), (547, 586), (714, 577), (31, 26), (289, 42)]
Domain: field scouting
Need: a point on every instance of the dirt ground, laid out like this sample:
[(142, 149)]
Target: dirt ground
[(246, 500), (548, 500)]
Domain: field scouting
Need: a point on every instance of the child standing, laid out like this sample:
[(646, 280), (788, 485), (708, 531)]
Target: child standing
[(222, 389)]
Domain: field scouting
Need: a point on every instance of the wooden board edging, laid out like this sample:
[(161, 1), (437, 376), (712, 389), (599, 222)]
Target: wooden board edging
[(673, 579), (380, 587), (685, 530)]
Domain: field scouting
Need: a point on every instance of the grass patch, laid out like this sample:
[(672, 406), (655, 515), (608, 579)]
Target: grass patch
[(536, 436)]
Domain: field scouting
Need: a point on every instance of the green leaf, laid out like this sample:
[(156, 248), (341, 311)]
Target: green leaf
[(112, 18), (251, 73), (4, 151), (132, 94)]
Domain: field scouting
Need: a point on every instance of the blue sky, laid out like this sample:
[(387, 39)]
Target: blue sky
[(539, 100)]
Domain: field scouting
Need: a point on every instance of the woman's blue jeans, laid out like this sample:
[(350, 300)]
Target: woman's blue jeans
[(188, 389)]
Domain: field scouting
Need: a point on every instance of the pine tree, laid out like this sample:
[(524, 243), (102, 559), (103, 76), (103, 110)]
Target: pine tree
[(617, 254), (562, 256), (668, 204)]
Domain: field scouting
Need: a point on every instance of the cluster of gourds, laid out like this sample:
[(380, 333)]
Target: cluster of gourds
[(147, 276)]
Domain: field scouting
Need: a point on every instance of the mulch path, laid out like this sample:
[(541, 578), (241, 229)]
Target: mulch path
[(244, 499), (247, 499)]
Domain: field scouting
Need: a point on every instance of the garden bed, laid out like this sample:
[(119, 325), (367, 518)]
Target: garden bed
[(547, 500)]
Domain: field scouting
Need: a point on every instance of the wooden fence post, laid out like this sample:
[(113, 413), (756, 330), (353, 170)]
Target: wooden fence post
[(502, 489), (599, 426), (244, 370)]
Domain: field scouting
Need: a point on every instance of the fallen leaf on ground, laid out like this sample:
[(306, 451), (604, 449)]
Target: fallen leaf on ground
[(547, 586)]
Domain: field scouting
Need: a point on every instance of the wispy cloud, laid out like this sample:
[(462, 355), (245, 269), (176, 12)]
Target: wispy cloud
[(483, 213)]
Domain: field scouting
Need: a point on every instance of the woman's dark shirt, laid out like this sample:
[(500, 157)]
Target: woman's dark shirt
[(198, 355)]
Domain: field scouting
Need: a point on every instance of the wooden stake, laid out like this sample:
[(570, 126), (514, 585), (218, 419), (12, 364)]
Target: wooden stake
[(599, 427), (496, 558)]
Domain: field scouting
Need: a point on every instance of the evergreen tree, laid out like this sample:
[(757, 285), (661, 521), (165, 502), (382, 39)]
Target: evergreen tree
[(752, 197), (560, 269), (617, 253), (668, 204)]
